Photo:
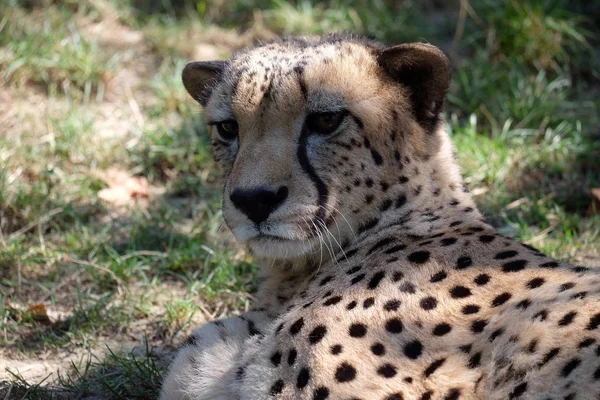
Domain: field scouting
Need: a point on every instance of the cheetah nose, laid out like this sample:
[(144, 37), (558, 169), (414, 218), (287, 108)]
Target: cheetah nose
[(258, 203)]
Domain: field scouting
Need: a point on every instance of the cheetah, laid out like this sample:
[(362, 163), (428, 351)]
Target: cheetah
[(380, 279)]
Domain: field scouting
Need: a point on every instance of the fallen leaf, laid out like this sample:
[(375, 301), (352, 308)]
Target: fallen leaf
[(38, 313), (594, 208), (122, 187)]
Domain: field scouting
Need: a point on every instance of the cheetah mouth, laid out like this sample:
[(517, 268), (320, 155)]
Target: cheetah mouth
[(277, 247), (281, 239)]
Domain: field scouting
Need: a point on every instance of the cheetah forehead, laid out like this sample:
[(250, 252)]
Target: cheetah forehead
[(321, 73)]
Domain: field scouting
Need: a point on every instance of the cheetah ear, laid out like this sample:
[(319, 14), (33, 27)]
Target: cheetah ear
[(199, 78), (425, 70)]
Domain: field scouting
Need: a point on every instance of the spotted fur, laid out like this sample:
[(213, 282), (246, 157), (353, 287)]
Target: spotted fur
[(381, 280)]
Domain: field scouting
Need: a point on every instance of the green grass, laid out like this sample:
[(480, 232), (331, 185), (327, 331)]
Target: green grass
[(139, 276)]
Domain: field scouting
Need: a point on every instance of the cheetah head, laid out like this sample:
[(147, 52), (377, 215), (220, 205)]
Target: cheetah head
[(310, 134)]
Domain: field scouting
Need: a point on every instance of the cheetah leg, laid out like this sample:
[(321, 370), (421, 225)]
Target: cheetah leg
[(205, 366)]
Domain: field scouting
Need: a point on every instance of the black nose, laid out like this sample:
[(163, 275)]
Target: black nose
[(258, 203)]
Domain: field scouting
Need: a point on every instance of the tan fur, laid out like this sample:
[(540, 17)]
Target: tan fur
[(400, 290)]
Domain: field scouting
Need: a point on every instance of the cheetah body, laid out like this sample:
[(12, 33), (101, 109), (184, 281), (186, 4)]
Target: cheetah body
[(395, 288)]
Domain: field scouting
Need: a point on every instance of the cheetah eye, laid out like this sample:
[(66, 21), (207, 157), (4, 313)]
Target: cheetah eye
[(325, 123), (228, 130)]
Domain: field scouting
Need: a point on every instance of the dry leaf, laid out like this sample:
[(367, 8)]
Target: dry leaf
[(38, 313), (594, 208), (122, 187)]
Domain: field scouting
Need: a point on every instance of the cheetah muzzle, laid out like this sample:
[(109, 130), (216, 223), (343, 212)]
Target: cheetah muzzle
[(380, 279)]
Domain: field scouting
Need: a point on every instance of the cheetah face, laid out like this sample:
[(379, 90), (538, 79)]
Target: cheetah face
[(305, 132)]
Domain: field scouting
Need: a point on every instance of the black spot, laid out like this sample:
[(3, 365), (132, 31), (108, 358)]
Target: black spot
[(303, 378), (292, 357), (478, 325), (496, 334), (297, 326), (387, 371), (357, 330), (501, 299), (348, 254), (277, 387), (438, 277), (441, 329), (464, 262), (514, 266), (321, 393), (190, 341), (380, 244), (518, 391), (378, 349), (239, 374), (428, 303), (336, 349), (403, 179), (276, 358), (419, 257), (460, 292), (453, 394), (482, 279), (567, 318), (368, 225), (317, 334), (351, 305), (376, 157), (397, 275), (332, 300), (394, 325), (549, 356), (448, 241), (368, 302), (549, 264), (535, 283), (542, 315), (413, 349), (354, 270), (427, 395), (408, 287), (395, 396), (387, 203), (486, 238), (594, 322), (524, 304), (506, 254), (586, 343), (434, 366), (570, 366), (357, 279), (470, 309), (391, 305), (279, 328), (532, 346), (395, 249), (400, 201), (345, 373), (326, 280), (466, 348), (375, 279), (475, 360), (580, 269), (566, 286), (579, 295)]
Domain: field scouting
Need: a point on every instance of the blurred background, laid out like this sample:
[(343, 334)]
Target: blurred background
[(112, 245)]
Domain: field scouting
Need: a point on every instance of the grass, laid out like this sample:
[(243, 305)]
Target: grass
[(104, 291)]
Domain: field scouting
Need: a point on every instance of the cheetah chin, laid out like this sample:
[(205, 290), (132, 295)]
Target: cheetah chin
[(380, 278)]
